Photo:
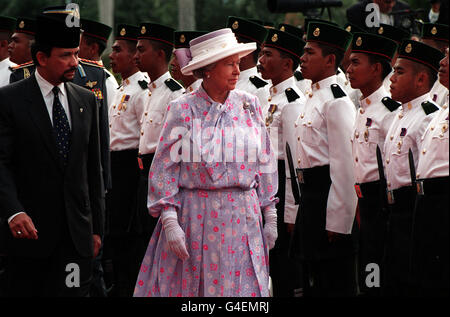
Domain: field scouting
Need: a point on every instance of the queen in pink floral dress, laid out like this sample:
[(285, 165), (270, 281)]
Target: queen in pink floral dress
[(213, 178)]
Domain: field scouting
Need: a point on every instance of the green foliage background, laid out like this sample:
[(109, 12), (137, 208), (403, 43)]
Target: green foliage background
[(210, 14)]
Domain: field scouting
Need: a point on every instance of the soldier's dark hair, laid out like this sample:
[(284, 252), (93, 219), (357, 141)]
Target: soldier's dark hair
[(295, 61), (101, 45), (39, 47), (328, 50), (166, 48), (387, 68)]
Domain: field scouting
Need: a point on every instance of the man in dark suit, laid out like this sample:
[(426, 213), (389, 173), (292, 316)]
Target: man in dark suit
[(357, 13), (51, 189)]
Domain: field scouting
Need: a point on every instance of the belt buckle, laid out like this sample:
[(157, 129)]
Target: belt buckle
[(390, 197), (358, 191), (140, 163), (419, 187), (300, 176)]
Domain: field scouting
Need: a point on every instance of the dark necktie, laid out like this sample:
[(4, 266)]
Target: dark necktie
[(61, 127)]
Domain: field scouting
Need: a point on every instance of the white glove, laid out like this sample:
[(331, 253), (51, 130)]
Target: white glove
[(174, 234), (270, 226)]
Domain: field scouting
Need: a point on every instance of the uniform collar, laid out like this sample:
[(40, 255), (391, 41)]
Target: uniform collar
[(376, 96), (327, 82), (246, 74), (195, 85), (281, 87), (407, 106), (158, 82), (131, 79)]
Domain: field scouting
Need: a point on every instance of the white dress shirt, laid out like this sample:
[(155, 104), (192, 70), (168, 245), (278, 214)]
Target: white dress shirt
[(125, 113), (47, 93), (5, 71), (372, 123), (405, 133), (323, 135), (434, 147), (160, 97)]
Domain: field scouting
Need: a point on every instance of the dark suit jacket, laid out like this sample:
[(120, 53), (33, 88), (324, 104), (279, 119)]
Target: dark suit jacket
[(357, 14), (33, 178)]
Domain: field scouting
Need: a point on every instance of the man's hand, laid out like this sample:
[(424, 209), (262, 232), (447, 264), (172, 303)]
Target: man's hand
[(22, 227), (97, 244)]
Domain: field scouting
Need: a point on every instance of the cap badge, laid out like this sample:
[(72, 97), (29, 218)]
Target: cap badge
[(235, 25), (434, 30), (380, 30), (275, 37), (182, 38), (143, 30), (283, 28), (359, 41), (408, 48), (21, 24), (123, 32), (349, 28), (316, 32)]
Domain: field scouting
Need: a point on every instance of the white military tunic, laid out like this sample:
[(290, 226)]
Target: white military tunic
[(353, 94), (323, 135), (372, 123), (126, 111), (194, 86), (5, 71), (284, 118), (111, 87), (302, 83), (244, 83), (434, 147), (405, 133), (438, 93), (160, 96)]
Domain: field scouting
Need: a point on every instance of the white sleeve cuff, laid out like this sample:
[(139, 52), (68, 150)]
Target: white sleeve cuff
[(11, 218)]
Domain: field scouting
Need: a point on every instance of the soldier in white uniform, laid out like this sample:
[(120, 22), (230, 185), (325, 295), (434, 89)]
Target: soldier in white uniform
[(92, 45), (180, 59), (280, 57), (322, 236), (124, 231), (370, 63), (249, 79), (430, 233), (397, 35), (7, 26), (436, 35), (154, 50), (414, 74)]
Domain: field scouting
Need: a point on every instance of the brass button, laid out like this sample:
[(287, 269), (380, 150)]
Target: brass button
[(298, 161), (400, 115), (424, 151), (356, 159), (387, 161), (392, 137), (361, 111), (432, 128), (298, 138)]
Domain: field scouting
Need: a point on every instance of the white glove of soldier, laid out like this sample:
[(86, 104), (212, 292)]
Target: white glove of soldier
[(175, 236), (270, 226)]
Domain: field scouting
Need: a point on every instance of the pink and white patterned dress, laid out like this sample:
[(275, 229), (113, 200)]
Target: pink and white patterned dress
[(206, 169)]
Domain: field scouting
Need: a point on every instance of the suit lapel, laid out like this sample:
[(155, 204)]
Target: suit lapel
[(40, 116)]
